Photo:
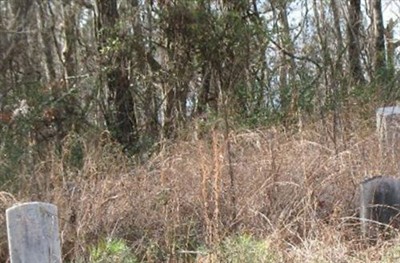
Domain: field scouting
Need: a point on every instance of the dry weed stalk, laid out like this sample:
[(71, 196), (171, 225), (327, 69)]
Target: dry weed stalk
[(211, 189)]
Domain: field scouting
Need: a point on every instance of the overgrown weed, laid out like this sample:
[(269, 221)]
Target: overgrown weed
[(295, 196)]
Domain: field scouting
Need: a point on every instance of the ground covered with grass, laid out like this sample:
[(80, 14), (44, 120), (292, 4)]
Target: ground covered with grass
[(248, 196)]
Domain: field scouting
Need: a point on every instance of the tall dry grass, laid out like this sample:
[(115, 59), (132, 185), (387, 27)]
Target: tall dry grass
[(298, 192)]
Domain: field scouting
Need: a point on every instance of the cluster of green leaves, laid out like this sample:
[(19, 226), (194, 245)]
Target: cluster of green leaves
[(241, 248), (247, 249), (15, 137), (228, 44), (112, 251)]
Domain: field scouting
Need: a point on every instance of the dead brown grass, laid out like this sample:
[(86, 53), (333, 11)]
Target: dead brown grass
[(298, 191)]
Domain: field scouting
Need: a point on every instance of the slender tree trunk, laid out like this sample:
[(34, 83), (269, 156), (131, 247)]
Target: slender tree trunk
[(338, 34), (47, 40), (288, 88), (180, 61), (204, 96), (120, 118), (21, 44), (353, 35), (379, 40), (332, 70), (70, 27), (391, 47), (141, 65)]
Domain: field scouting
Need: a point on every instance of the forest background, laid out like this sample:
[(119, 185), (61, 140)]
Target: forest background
[(207, 131)]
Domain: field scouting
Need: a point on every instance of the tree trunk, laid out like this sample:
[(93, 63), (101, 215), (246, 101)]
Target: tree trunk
[(391, 46), (288, 88), (143, 67), (204, 97), (338, 34), (70, 27), (120, 117), (379, 40), (179, 58), (353, 35), (46, 23), (21, 47)]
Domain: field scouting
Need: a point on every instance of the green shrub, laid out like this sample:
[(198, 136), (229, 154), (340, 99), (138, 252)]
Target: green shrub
[(113, 251), (239, 249)]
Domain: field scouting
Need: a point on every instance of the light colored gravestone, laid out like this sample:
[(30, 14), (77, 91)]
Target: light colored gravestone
[(33, 235), (388, 128)]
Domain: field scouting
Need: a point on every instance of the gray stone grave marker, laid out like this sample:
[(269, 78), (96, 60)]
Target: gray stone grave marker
[(33, 235), (388, 128)]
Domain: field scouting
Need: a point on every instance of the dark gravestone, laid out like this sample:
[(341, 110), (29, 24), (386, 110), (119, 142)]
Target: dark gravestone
[(379, 203)]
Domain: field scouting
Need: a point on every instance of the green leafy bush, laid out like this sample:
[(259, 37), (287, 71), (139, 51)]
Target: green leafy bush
[(113, 251)]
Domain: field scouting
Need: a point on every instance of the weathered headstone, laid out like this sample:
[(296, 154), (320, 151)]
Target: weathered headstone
[(379, 204), (33, 235), (388, 128)]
